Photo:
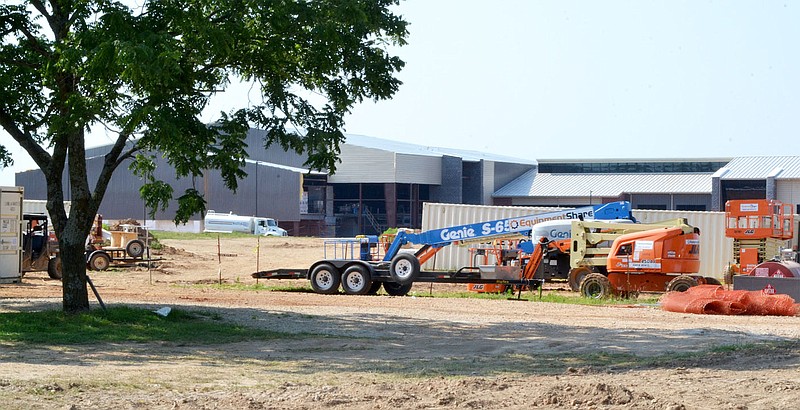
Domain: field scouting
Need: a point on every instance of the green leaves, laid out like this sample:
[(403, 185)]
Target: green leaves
[(150, 72)]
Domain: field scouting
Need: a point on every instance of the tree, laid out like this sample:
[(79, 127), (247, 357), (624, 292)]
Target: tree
[(146, 74)]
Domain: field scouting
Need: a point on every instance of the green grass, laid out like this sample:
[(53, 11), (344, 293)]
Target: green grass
[(552, 297), (534, 296), (162, 235), (256, 287), (124, 324)]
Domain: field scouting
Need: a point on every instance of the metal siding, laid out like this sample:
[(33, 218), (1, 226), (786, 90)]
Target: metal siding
[(716, 251), (704, 199), (275, 153), (505, 173), (640, 200), (34, 183), (436, 216), (418, 169), (364, 165), (269, 192), (487, 182), (788, 192), (762, 167)]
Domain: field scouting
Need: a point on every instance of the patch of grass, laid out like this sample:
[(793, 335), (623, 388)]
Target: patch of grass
[(552, 297), (256, 287), (125, 324)]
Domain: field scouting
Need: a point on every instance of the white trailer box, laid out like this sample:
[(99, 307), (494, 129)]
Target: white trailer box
[(11, 234), (230, 222)]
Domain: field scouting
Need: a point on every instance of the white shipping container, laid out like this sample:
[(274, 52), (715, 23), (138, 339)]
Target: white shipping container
[(716, 251), (11, 234)]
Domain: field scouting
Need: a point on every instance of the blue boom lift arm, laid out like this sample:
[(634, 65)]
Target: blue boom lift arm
[(520, 225)]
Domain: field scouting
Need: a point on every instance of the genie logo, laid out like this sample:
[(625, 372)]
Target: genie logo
[(463, 232), (557, 234)]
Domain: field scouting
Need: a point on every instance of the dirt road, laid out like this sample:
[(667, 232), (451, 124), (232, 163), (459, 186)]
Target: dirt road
[(395, 352)]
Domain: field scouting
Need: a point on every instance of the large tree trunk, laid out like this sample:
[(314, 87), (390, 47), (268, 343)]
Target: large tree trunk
[(73, 259)]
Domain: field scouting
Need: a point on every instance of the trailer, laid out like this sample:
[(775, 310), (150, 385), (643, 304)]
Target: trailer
[(358, 267)]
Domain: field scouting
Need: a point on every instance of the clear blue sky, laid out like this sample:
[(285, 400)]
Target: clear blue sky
[(588, 79)]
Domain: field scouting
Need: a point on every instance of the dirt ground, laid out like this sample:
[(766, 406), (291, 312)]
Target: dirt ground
[(373, 352)]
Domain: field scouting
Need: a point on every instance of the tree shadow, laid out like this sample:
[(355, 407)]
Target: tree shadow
[(405, 346)]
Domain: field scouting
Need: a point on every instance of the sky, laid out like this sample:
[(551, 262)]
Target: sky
[(584, 79)]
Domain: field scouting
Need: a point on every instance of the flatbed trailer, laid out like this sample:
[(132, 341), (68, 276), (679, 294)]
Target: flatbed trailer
[(381, 277), (357, 266)]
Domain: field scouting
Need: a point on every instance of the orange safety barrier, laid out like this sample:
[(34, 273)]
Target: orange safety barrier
[(714, 300)]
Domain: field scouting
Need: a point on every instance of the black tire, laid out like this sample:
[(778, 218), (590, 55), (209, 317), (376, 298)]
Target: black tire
[(135, 248), (376, 286), (356, 280), (576, 276), (54, 268), (595, 286), (396, 289), (712, 281), (99, 260), (681, 283), (325, 279), (404, 268)]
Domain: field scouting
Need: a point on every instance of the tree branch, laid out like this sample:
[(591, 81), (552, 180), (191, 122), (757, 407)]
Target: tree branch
[(25, 140)]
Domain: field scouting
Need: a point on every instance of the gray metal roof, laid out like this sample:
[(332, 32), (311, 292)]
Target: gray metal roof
[(781, 167), (408, 148), (535, 184)]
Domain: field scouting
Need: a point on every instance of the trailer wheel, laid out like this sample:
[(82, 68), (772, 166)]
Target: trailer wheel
[(576, 277), (325, 279), (54, 269), (404, 268), (681, 283), (135, 248), (595, 286), (396, 289), (99, 260), (356, 280)]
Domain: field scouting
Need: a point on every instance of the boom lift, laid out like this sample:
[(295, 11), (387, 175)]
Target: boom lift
[(399, 269), (654, 260)]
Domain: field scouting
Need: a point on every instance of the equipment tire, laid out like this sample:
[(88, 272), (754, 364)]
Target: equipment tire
[(325, 279), (356, 280), (681, 283), (54, 268), (712, 281), (595, 286), (396, 289), (99, 260), (576, 276), (404, 268), (135, 248)]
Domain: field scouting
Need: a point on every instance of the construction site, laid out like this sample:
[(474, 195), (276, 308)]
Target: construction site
[(384, 322)]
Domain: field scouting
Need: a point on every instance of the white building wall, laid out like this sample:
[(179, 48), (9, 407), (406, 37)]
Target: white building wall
[(788, 192), (364, 165), (418, 169), (716, 251)]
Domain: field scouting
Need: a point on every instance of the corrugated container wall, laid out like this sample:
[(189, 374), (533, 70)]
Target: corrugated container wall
[(436, 215), (716, 251)]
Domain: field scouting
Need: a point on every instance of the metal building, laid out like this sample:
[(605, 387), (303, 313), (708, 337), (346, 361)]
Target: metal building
[(378, 184)]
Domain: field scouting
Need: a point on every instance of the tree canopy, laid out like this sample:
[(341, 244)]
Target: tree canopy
[(147, 72)]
